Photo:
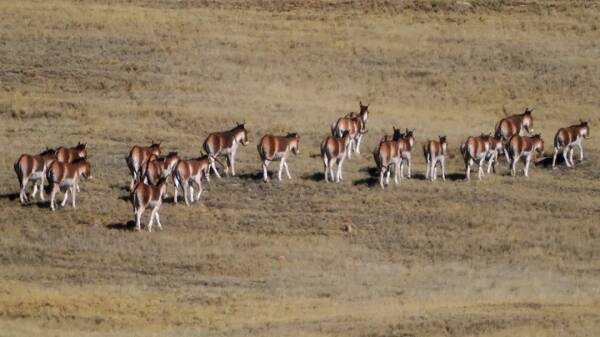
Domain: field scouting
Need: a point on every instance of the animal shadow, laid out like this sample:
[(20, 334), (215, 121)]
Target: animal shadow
[(125, 197), (128, 226), (317, 176), (10, 196), (546, 162), (252, 176), (370, 182)]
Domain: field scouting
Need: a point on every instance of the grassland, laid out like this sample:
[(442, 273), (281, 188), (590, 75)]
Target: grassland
[(499, 257)]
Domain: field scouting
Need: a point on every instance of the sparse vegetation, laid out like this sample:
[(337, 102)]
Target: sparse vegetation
[(499, 257)]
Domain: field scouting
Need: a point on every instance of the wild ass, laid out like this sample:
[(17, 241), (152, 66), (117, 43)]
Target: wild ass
[(514, 125), (435, 151), (273, 148), (386, 155), (355, 124), (406, 143), (65, 177), (568, 138), (148, 196), (160, 167), (33, 168), (137, 161), (69, 155), (190, 171), (335, 149), (524, 146), (496, 148), (225, 144), (475, 149)]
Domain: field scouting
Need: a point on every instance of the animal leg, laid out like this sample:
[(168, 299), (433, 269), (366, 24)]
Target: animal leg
[(199, 183), (186, 192), (138, 219), (287, 170), (427, 163), (232, 164), (265, 173), (35, 189), (580, 151), (191, 191), (513, 169), (53, 196), (158, 220), (152, 216), (409, 166), (566, 156), (280, 169), (214, 167), (571, 156), (526, 169), (339, 170), (64, 202), (176, 181), (381, 174), (23, 193), (443, 161), (480, 170), (554, 158)]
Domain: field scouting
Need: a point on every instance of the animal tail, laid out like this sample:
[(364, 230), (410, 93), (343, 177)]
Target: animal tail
[(558, 140), (497, 130), (19, 172), (425, 151)]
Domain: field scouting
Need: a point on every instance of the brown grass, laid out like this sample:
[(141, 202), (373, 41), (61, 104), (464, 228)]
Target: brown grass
[(500, 257)]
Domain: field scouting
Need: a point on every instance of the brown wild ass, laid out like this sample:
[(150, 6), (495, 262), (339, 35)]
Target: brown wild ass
[(568, 138), (137, 161), (475, 149), (69, 155), (388, 154), (335, 149), (273, 148), (186, 173), (355, 124), (514, 125), (406, 143), (435, 151), (496, 148), (524, 146), (148, 196), (33, 168), (65, 177), (160, 167), (225, 144)]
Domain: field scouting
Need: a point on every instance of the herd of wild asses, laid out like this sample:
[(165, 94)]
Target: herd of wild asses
[(514, 138)]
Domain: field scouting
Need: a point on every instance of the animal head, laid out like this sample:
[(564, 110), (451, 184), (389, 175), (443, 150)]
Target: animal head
[(294, 142), (397, 134), (527, 120), (364, 111), (485, 136), (584, 129), (155, 148), (443, 139), (409, 135), (538, 143), (81, 149), (85, 168), (162, 186), (242, 135)]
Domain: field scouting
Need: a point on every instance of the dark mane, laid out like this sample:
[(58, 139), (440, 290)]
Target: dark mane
[(48, 151)]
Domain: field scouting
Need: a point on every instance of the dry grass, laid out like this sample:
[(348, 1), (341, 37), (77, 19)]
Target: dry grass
[(500, 257)]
